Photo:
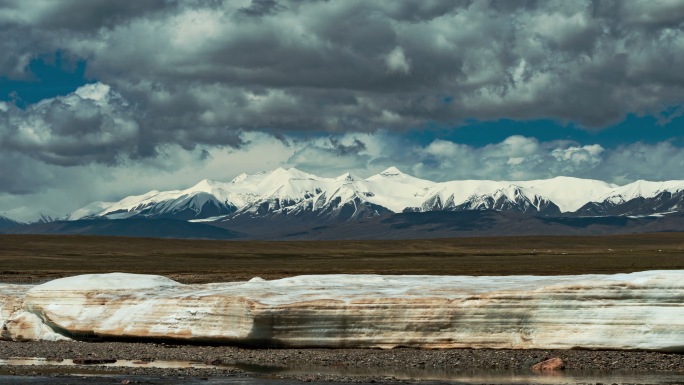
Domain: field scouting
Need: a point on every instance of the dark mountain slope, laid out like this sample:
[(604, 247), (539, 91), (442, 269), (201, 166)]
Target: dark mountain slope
[(132, 227)]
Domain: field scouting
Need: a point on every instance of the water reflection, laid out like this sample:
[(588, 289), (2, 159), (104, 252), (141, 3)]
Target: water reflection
[(501, 377), (32, 361), (478, 376), (119, 379)]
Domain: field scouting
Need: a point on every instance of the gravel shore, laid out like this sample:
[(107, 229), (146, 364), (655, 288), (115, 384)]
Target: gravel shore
[(342, 365)]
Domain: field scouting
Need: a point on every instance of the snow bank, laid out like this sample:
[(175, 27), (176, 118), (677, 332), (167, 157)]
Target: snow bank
[(625, 311)]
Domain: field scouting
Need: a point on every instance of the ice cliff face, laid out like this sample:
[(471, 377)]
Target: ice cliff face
[(626, 311)]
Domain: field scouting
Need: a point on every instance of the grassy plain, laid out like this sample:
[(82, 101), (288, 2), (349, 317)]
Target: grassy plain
[(36, 258)]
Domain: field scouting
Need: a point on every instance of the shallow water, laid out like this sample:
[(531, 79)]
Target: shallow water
[(34, 361), (257, 372), (510, 377), (118, 379), (496, 376)]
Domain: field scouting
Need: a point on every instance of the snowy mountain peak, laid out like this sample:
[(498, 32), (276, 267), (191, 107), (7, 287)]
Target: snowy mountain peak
[(292, 173), (239, 178), (89, 210), (392, 171), (348, 177), (206, 184), (573, 179)]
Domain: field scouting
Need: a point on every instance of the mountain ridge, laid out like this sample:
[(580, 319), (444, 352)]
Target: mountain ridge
[(348, 197)]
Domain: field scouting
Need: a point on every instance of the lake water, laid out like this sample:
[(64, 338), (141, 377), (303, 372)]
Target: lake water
[(87, 374), (496, 379)]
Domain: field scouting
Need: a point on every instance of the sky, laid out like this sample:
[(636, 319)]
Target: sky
[(102, 99)]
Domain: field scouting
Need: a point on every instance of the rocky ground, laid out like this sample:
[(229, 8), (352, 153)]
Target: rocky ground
[(37, 259), (342, 365)]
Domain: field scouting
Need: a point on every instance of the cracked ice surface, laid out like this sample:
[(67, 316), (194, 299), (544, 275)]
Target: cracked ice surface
[(625, 311)]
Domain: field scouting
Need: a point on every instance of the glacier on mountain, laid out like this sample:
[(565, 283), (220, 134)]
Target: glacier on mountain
[(295, 193), (642, 310)]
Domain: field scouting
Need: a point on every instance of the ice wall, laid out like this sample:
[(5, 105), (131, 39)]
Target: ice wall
[(626, 311)]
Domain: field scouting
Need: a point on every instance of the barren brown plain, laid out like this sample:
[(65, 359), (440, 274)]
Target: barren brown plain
[(38, 258)]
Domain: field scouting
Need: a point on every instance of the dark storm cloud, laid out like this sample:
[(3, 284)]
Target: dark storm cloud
[(79, 15), (420, 11), (202, 73), (29, 29), (261, 7), (91, 125), (340, 149), (21, 175), (91, 15)]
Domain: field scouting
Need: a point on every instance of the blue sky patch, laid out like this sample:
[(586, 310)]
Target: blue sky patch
[(50, 76)]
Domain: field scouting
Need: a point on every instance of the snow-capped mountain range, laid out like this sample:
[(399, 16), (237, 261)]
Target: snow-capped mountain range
[(297, 194)]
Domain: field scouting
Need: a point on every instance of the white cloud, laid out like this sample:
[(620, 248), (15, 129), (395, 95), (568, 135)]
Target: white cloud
[(444, 148), (397, 62), (96, 91), (518, 145), (579, 155)]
